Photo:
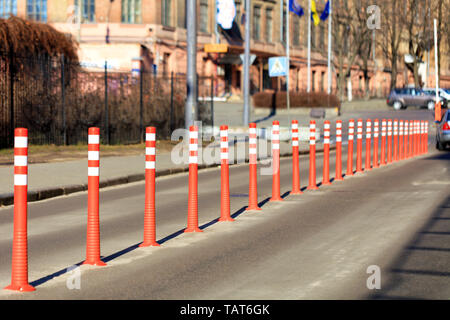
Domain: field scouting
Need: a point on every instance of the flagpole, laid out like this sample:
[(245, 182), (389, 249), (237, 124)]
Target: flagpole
[(329, 45), (436, 64), (288, 61), (246, 114), (309, 48), (281, 20)]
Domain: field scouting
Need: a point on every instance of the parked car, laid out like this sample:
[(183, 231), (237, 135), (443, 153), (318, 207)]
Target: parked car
[(443, 132), (444, 94), (401, 98)]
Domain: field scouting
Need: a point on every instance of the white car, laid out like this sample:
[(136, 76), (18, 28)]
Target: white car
[(444, 95)]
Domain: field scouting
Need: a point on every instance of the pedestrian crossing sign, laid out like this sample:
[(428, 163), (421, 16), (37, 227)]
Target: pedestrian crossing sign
[(277, 66)]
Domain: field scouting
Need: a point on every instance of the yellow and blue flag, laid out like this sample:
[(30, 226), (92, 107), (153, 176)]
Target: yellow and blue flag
[(326, 12), (314, 15), (295, 7)]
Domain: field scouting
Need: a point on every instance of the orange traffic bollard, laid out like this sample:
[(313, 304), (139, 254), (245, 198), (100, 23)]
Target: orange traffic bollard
[(326, 154), (417, 138), (19, 268), (224, 176), (338, 172), (422, 127), (150, 208), (437, 112), (400, 141), (383, 143), (312, 156), (375, 143), (351, 132), (192, 219), (295, 159), (276, 161), (411, 139), (389, 141), (368, 165), (359, 146), (426, 136), (93, 225), (405, 139), (253, 156), (395, 140)]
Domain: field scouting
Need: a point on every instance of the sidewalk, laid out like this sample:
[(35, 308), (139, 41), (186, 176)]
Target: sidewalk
[(47, 180)]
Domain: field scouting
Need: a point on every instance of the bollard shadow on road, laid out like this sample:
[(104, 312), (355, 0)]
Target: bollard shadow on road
[(42, 280), (443, 155), (421, 271), (133, 247)]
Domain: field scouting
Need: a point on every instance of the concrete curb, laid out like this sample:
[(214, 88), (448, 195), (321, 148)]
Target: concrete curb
[(7, 199)]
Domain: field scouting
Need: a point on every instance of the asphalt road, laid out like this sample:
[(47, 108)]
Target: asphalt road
[(313, 246)]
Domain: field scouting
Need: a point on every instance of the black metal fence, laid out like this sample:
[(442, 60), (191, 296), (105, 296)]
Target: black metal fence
[(58, 101)]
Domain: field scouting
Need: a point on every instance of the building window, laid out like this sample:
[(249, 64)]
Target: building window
[(313, 36), (8, 8), (87, 10), (204, 21), (256, 23), (322, 36), (37, 10), (295, 31), (313, 81), (269, 25), (237, 18), (166, 13), (322, 82), (131, 11)]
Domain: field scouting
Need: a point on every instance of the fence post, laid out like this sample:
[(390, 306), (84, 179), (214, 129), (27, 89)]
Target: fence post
[(141, 106), (171, 104), (212, 104), (63, 100), (11, 99), (106, 105)]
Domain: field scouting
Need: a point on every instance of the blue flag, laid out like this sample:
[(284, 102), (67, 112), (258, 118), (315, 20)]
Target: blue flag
[(296, 8), (326, 11)]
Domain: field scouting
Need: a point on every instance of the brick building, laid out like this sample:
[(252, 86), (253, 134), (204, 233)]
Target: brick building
[(154, 31)]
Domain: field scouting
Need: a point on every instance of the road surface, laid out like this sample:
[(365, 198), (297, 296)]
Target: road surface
[(313, 246)]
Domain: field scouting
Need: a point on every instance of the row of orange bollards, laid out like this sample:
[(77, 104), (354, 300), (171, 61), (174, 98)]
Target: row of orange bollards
[(411, 140)]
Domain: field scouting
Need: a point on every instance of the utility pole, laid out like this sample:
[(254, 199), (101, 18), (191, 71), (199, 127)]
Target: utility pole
[(329, 45), (288, 62), (190, 111), (308, 89), (281, 20), (216, 28), (247, 64), (436, 64)]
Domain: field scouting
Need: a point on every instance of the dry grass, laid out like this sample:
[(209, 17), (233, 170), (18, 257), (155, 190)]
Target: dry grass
[(277, 100), (53, 153)]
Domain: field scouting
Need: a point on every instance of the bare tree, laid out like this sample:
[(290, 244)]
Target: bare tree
[(349, 33), (390, 37), (419, 34)]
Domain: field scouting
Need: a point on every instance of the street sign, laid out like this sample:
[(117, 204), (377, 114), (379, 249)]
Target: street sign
[(216, 47), (252, 58), (278, 66)]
